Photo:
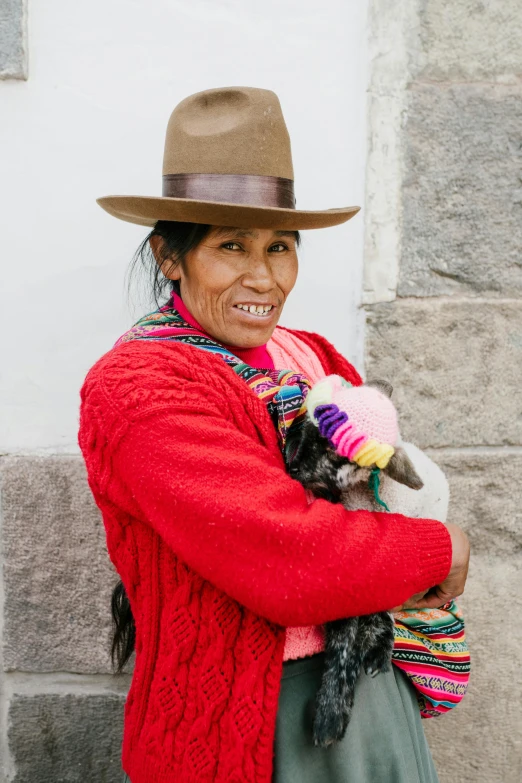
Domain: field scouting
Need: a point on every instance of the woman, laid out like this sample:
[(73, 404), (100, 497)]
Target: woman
[(229, 571)]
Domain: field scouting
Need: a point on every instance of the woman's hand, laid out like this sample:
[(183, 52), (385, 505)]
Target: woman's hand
[(453, 585)]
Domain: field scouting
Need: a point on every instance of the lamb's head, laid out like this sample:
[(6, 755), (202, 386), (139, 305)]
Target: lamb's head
[(347, 433)]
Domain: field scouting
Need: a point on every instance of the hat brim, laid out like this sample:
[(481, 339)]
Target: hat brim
[(147, 210)]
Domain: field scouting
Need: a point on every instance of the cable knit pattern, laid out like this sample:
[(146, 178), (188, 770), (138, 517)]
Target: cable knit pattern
[(219, 551)]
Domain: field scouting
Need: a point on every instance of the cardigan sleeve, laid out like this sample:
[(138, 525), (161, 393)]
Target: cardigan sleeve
[(223, 502)]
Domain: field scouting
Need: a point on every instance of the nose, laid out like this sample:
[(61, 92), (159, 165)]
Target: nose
[(259, 275)]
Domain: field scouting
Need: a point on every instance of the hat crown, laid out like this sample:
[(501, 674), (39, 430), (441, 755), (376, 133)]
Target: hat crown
[(228, 130)]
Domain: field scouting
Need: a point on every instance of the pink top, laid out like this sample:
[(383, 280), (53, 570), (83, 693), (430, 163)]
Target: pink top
[(282, 351)]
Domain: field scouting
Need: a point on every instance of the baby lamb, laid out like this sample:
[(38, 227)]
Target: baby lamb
[(348, 443)]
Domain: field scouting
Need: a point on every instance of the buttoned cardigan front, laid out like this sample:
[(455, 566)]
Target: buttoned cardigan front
[(219, 551)]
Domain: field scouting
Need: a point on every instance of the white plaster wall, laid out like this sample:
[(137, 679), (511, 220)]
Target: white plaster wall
[(104, 77)]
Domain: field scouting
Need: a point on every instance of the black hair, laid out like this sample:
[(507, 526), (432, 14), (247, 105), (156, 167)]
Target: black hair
[(178, 239)]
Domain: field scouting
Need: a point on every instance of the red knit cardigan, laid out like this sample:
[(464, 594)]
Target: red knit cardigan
[(219, 550)]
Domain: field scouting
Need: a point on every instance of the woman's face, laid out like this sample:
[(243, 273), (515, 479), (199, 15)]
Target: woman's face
[(232, 271)]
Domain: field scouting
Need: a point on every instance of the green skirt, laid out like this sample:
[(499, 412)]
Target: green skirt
[(384, 742)]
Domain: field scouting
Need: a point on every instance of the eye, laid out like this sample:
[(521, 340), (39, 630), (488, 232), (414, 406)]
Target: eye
[(279, 244), (226, 244)]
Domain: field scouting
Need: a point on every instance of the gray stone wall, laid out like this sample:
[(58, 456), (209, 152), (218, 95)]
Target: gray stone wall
[(61, 709), (443, 300), (13, 39)]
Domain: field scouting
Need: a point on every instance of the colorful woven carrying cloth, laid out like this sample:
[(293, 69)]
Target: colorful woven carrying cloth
[(431, 649), (430, 645)]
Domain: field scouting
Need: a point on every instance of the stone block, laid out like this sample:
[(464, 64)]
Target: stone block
[(462, 192), (471, 39), (455, 367), (480, 740), (485, 497), (66, 738), (58, 577), (13, 46)]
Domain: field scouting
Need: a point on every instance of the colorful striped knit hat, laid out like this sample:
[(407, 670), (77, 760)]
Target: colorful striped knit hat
[(359, 421)]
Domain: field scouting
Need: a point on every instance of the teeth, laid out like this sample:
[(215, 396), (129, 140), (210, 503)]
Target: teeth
[(256, 309)]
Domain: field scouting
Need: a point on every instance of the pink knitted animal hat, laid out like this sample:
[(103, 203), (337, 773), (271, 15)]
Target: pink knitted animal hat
[(359, 421)]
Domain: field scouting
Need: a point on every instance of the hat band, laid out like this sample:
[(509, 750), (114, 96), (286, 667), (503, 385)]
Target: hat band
[(252, 190)]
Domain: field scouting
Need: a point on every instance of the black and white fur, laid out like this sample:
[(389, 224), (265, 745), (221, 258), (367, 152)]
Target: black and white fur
[(355, 642)]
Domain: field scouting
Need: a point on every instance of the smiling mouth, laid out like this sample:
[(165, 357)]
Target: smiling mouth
[(261, 311)]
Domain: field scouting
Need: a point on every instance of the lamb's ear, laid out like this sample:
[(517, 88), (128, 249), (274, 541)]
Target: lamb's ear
[(299, 441), (400, 468), (383, 386)]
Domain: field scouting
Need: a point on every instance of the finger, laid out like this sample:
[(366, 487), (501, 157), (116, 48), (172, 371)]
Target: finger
[(433, 601), (414, 601)]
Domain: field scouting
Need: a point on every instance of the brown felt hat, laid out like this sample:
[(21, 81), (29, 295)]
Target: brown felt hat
[(227, 162)]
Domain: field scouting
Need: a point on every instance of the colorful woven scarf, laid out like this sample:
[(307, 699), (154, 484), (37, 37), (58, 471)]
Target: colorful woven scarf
[(430, 645)]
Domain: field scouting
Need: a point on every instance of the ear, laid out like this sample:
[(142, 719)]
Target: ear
[(383, 386), (400, 468), (298, 442), (157, 244), (169, 267)]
